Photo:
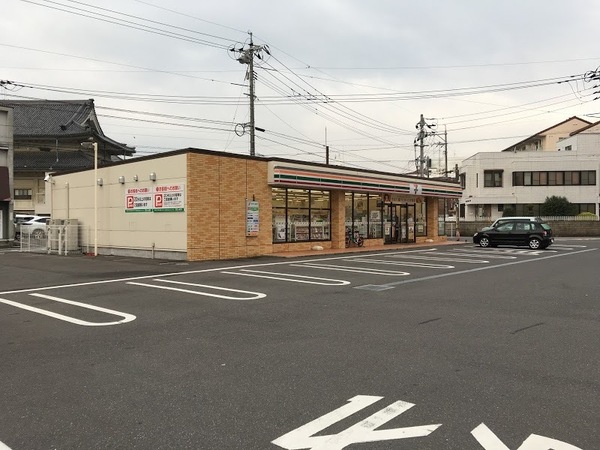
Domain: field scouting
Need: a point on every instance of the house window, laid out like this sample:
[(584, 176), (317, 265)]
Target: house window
[(463, 181), (568, 148), (588, 178), (23, 194), (492, 178), (517, 178)]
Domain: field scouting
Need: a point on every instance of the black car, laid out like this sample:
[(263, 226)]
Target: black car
[(535, 235)]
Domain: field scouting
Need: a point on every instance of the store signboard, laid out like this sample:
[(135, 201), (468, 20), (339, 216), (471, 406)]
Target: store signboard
[(252, 215), (170, 198), (164, 198)]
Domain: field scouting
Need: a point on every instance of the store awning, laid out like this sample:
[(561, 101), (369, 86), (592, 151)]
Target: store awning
[(4, 186)]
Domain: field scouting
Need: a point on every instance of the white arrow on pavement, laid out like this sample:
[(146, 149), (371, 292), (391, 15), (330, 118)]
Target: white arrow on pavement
[(363, 431), (489, 441)]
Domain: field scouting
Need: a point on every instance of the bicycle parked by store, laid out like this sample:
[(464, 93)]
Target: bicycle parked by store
[(354, 239)]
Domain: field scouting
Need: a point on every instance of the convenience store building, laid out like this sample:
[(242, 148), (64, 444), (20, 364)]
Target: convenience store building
[(204, 205)]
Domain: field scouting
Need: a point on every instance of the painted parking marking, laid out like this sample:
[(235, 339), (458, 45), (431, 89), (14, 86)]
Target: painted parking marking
[(478, 254), (506, 251), (237, 267), (4, 446), (437, 258), (289, 277), (126, 317), (393, 284), (365, 270), (402, 263), (251, 295)]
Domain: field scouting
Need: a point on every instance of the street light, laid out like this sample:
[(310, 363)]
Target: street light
[(94, 145)]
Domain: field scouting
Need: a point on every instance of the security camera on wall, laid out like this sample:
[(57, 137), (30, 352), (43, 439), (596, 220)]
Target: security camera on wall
[(47, 177)]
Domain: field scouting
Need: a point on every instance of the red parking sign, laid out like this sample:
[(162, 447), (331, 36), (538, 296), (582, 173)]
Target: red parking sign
[(129, 201), (158, 200)]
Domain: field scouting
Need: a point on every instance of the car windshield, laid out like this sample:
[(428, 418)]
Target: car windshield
[(545, 226)]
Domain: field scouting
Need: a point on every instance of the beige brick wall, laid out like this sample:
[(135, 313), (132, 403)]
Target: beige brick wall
[(217, 191)]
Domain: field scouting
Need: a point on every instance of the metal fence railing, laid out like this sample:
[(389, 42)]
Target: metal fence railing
[(57, 239)]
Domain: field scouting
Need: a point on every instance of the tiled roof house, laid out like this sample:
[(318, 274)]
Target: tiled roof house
[(47, 137)]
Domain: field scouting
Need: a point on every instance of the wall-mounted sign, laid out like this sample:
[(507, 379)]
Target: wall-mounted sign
[(164, 198), (252, 215)]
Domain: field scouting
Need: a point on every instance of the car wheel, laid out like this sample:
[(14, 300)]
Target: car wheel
[(484, 242), (535, 244), (38, 234)]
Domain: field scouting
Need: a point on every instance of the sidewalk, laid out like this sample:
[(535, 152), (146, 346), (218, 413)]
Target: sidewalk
[(377, 248)]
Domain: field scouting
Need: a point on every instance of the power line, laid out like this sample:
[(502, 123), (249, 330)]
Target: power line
[(127, 23)]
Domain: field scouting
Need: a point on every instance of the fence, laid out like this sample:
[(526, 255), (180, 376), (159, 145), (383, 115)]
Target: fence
[(58, 239)]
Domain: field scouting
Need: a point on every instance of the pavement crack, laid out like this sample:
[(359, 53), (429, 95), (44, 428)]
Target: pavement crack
[(430, 320), (527, 328)]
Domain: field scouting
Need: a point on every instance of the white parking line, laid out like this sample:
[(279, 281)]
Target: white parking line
[(402, 263), (254, 295), (461, 272), (367, 270), (478, 253), (126, 317), (435, 258), (290, 277)]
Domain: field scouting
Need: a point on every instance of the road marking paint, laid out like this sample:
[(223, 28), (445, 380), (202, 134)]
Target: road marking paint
[(216, 269), (489, 441), (367, 270), (290, 277), (460, 272), (254, 295), (363, 431), (478, 254), (505, 251), (126, 317), (4, 446), (435, 258), (402, 263)]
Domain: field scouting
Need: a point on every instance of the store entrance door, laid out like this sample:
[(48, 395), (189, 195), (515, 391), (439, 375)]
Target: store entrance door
[(407, 223), (399, 223)]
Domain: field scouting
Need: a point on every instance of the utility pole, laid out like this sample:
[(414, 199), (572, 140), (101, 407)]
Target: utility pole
[(445, 151), (246, 56), (422, 147)]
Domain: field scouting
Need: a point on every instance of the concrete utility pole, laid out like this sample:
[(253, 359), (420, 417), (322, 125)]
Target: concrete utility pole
[(422, 147), (246, 56), (445, 151)]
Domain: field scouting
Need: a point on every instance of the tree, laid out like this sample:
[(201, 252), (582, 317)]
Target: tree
[(558, 206)]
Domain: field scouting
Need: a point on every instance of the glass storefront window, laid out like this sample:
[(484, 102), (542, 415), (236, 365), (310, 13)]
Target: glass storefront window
[(278, 198), (442, 211), (375, 215), (300, 215), (364, 215), (361, 214), (421, 219)]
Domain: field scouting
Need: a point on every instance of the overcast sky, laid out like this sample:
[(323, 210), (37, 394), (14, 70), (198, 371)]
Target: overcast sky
[(353, 74)]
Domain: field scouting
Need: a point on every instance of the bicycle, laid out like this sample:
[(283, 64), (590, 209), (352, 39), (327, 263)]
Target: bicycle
[(354, 239)]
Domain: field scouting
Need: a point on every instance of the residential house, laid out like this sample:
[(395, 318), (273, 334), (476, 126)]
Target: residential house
[(523, 178)]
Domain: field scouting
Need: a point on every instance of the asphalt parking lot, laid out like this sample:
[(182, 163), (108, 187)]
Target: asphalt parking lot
[(453, 347)]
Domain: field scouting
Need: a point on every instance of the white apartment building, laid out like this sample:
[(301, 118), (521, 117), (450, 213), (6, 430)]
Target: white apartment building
[(523, 179)]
